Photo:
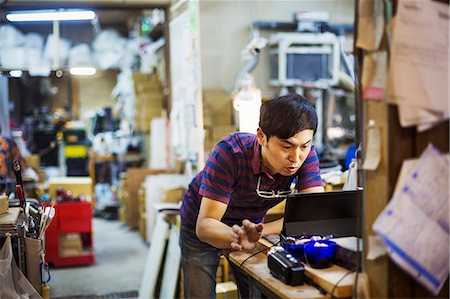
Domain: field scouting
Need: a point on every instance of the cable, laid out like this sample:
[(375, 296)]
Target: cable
[(337, 282), (256, 253)]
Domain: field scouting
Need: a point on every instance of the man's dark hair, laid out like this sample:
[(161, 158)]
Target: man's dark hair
[(287, 115)]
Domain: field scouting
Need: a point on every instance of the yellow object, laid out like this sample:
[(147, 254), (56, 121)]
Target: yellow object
[(4, 206), (75, 151), (226, 290), (45, 291)]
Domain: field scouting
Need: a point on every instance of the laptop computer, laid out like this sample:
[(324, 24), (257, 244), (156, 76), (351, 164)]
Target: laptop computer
[(326, 213)]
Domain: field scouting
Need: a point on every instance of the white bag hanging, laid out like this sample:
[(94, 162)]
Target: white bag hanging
[(13, 283)]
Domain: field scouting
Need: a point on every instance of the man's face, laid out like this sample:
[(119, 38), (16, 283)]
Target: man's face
[(285, 156)]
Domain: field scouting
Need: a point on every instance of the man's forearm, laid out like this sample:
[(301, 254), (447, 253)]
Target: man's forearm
[(215, 233)]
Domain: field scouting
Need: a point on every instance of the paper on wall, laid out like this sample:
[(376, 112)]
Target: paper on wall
[(414, 225), (376, 248), (373, 148), (411, 116), (374, 75), (419, 59), (371, 22)]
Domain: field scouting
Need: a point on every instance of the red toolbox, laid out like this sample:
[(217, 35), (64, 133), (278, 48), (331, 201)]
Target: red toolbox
[(68, 239)]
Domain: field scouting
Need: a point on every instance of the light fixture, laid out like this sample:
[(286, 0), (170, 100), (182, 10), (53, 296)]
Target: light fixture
[(247, 101), (15, 73), (83, 71), (50, 15)]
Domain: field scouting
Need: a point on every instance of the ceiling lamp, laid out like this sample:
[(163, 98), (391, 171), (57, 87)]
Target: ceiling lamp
[(50, 15), (82, 71)]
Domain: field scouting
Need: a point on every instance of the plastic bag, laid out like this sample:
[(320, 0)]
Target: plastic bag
[(13, 284)]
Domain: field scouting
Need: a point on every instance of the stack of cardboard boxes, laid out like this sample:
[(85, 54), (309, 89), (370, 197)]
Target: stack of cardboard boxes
[(142, 222), (218, 116), (122, 196), (149, 100)]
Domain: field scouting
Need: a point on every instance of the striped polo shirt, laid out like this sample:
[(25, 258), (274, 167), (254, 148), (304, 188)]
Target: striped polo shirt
[(231, 175)]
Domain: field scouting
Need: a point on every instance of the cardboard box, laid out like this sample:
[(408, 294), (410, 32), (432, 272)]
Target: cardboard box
[(146, 83), (34, 161), (78, 185), (70, 244), (217, 107), (173, 195), (226, 290), (219, 132), (4, 205), (136, 177)]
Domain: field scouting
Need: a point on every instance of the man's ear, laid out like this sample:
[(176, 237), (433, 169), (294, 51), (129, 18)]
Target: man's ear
[(261, 137)]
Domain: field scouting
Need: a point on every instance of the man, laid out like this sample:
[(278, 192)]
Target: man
[(8, 153), (245, 176)]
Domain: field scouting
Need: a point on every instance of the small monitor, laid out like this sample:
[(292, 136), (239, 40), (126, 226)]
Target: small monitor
[(324, 213)]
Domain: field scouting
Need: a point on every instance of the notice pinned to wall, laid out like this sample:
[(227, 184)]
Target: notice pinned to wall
[(414, 226), (374, 75), (419, 65), (371, 22), (373, 147)]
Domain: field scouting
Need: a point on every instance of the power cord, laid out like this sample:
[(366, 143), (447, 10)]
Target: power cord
[(256, 253), (340, 279)]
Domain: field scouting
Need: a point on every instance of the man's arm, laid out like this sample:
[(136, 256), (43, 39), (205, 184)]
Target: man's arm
[(313, 189), (211, 230)]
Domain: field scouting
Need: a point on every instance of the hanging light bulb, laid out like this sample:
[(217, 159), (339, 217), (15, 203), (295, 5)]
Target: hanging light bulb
[(247, 101)]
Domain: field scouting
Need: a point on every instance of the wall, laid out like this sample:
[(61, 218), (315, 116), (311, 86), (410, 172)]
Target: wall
[(224, 32), (95, 92)]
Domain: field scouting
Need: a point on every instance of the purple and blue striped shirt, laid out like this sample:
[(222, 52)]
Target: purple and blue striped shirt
[(230, 176)]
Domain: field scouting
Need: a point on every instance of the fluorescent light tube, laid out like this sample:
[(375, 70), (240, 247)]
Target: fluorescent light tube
[(15, 73), (82, 71), (50, 15)]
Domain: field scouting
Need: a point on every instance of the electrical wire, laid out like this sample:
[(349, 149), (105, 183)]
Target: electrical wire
[(337, 282), (256, 253)]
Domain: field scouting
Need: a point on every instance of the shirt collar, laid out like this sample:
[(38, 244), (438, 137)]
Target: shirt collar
[(256, 160)]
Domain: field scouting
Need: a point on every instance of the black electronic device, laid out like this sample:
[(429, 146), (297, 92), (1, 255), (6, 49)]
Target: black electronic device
[(285, 267), (323, 213)]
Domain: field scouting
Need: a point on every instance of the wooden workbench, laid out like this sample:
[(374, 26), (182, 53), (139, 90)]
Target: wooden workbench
[(262, 282)]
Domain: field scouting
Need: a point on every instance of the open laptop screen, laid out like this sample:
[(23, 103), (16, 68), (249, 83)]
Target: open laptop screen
[(325, 213)]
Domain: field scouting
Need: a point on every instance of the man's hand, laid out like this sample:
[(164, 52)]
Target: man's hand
[(249, 233), (253, 231)]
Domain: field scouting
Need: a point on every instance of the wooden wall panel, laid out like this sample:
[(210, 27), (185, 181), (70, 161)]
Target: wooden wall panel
[(406, 143)]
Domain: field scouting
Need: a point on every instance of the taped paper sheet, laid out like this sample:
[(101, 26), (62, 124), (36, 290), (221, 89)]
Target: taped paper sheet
[(414, 225), (373, 148), (376, 248), (419, 60), (425, 118), (371, 22), (374, 75)]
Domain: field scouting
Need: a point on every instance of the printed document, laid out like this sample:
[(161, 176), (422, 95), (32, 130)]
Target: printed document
[(419, 62), (415, 224)]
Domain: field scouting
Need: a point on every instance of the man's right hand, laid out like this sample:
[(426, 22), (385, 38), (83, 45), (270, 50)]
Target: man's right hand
[(249, 233)]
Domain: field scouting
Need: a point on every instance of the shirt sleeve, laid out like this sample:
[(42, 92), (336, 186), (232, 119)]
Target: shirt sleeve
[(218, 176), (309, 173)]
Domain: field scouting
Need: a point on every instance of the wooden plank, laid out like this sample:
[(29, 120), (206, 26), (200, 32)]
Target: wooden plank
[(376, 191), (136, 176), (256, 267), (154, 259), (333, 279), (171, 265), (10, 219)]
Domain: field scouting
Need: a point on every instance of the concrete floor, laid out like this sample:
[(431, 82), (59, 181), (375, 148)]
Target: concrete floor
[(120, 256)]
